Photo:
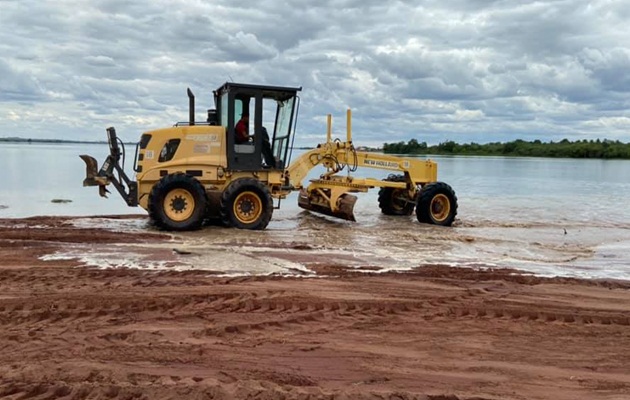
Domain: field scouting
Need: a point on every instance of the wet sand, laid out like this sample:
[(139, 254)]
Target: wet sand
[(75, 332)]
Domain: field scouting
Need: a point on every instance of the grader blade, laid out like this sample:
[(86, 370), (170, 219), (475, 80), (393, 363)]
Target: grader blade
[(346, 207), (339, 206)]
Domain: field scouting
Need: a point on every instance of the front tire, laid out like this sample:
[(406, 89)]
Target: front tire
[(393, 201), (177, 203), (246, 204), (436, 204)]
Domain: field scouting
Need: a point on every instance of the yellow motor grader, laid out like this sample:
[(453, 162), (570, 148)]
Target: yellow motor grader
[(195, 171)]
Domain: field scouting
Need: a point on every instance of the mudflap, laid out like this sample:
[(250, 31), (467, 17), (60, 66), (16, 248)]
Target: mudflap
[(92, 177), (338, 205)]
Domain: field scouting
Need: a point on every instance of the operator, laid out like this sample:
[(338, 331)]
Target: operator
[(241, 129)]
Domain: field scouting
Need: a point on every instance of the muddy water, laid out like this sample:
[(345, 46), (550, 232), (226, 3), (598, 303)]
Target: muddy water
[(588, 249), (548, 216)]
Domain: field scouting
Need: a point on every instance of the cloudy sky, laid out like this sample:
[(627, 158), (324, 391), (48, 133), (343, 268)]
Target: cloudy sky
[(435, 70)]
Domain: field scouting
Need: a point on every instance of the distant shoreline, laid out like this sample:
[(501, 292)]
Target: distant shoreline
[(51, 141), (584, 149)]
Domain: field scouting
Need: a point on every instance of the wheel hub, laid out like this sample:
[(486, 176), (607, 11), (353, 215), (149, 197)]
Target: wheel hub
[(440, 207), (398, 200), (248, 207), (178, 204)]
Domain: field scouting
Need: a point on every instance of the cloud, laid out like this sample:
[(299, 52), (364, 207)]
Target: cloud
[(18, 85), (464, 70)]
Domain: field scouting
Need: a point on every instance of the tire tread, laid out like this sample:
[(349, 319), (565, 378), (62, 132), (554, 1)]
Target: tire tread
[(426, 195)]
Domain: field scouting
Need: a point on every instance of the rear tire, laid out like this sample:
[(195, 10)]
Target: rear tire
[(436, 204), (246, 204), (177, 203), (394, 201)]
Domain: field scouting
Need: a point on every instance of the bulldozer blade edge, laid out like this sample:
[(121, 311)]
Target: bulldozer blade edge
[(345, 206)]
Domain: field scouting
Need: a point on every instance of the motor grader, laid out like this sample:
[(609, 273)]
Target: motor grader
[(195, 172)]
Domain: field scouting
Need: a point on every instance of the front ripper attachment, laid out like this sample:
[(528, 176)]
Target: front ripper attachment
[(91, 175), (127, 188), (333, 202)]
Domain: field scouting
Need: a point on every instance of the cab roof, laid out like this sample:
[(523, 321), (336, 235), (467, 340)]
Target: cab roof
[(275, 92)]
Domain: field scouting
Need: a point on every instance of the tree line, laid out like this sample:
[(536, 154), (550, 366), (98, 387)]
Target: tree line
[(607, 149)]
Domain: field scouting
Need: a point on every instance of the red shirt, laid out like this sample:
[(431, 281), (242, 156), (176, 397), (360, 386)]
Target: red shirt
[(241, 131)]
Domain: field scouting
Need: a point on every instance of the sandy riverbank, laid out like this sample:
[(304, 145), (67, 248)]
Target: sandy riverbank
[(68, 331)]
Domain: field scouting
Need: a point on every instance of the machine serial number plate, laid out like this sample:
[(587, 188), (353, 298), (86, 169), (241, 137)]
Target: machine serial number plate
[(201, 148), (203, 138)]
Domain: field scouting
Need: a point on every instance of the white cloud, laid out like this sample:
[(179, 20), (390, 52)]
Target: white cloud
[(464, 70)]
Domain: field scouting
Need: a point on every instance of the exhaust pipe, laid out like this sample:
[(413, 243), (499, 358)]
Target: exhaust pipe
[(191, 107)]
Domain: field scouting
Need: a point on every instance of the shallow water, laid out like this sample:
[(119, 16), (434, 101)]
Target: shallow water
[(513, 212)]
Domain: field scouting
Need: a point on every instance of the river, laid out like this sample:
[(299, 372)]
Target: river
[(562, 217)]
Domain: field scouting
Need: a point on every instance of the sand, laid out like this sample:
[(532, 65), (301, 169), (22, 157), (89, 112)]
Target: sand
[(75, 332)]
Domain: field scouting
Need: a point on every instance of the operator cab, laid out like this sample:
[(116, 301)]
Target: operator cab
[(271, 109)]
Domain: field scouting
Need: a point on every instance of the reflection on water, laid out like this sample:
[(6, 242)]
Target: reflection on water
[(548, 216)]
